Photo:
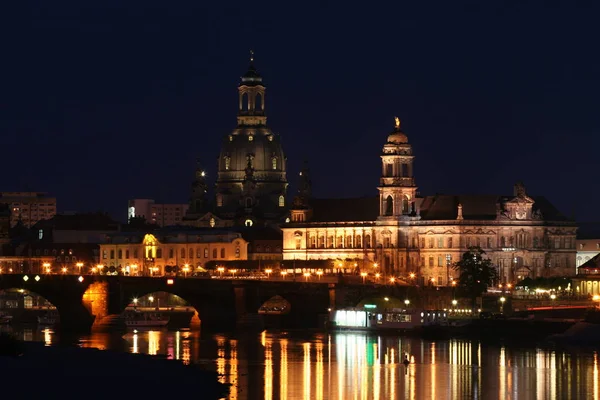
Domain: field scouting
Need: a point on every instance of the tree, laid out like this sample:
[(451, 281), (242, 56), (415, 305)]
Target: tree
[(476, 273)]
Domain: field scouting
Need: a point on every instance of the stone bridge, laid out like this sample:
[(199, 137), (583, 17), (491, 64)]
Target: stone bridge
[(88, 302)]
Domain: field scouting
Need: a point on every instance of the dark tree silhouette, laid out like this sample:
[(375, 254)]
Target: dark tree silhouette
[(476, 273)]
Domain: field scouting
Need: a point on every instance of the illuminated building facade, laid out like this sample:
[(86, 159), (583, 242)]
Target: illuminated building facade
[(399, 232), (28, 207), (155, 213), (139, 253)]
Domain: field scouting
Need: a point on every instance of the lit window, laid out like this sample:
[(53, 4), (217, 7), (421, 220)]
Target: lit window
[(40, 234), (274, 162), (227, 162), (248, 222), (281, 201), (212, 222), (250, 138)]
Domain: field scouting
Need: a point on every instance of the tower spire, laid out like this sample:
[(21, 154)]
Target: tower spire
[(251, 56)]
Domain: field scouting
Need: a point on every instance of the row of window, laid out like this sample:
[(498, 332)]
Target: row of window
[(349, 242), (228, 160), (110, 254)]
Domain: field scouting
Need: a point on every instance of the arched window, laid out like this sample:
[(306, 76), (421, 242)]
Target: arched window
[(219, 200), (274, 162), (281, 201), (205, 253), (214, 253), (222, 253), (405, 209), (368, 241), (183, 253), (237, 252), (227, 162), (358, 239), (248, 202), (389, 206), (191, 253)]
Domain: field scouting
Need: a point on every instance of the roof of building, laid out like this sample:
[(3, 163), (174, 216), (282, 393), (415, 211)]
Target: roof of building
[(437, 207), (592, 263)]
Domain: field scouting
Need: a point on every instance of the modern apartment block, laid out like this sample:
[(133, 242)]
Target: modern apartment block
[(29, 207), (155, 213)]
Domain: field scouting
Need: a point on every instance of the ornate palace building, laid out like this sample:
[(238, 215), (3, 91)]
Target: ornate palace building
[(251, 177), (399, 233)]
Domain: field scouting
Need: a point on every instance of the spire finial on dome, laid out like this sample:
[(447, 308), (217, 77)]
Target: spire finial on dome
[(397, 123), (251, 55)]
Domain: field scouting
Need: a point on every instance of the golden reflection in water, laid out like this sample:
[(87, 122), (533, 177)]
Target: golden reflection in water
[(153, 342), (283, 370), (268, 369), (47, 337), (433, 371), (135, 348), (306, 375), (502, 374), (341, 366), (177, 345), (27, 335), (392, 367), (376, 372), (221, 359), (233, 370), (185, 353), (596, 377), (319, 371)]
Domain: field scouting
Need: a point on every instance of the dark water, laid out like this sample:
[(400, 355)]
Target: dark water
[(356, 366)]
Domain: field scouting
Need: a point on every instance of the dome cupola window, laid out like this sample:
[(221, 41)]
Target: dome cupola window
[(274, 162), (248, 222), (281, 201), (250, 138)]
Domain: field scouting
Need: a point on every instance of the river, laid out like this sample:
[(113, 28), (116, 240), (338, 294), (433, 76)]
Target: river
[(314, 366)]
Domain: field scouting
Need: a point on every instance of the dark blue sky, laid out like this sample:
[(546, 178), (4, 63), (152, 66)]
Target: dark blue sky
[(101, 102)]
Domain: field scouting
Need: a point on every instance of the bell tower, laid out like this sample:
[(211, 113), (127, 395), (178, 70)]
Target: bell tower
[(251, 94), (397, 189)]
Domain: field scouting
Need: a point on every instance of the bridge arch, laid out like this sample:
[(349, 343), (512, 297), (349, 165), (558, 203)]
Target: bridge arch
[(210, 310), (64, 293)]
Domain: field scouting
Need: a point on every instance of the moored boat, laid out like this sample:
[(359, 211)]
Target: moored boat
[(389, 319), (145, 320)]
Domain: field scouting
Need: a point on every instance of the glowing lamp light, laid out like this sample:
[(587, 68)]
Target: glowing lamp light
[(37, 278), (170, 281), (80, 279), (363, 274), (502, 299), (412, 275), (454, 303), (553, 296), (25, 278), (407, 302), (392, 279), (596, 297), (386, 298)]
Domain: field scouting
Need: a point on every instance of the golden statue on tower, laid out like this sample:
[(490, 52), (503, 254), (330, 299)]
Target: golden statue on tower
[(397, 122)]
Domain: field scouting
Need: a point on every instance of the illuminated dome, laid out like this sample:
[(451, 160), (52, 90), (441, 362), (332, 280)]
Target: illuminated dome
[(397, 137)]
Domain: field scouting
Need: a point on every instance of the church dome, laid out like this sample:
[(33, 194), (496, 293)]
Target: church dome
[(261, 144), (397, 138)]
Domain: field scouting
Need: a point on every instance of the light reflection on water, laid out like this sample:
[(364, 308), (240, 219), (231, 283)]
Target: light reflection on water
[(355, 366)]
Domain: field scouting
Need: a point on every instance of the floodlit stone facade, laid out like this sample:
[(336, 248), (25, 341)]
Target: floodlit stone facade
[(399, 233)]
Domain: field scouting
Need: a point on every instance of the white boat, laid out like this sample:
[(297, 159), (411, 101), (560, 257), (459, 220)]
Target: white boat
[(5, 318), (391, 319), (143, 320)]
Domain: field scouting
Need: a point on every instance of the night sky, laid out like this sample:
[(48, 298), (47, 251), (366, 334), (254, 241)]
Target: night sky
[(101, 102)]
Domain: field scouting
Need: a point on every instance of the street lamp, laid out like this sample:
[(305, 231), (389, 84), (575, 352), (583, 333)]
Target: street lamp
[(233, 271), (364, 276), (79, 265), (306, 276), (135, 301), (392, 279), (283, 274), (100, 266), (407, 302), (502, 300), (454, 303), (221, 269), (46, 267), (186, 269), (268, 272), (319, 273), (64, 270), (377, 275)]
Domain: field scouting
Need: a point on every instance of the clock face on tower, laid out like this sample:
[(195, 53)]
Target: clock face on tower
[(520, 213)]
